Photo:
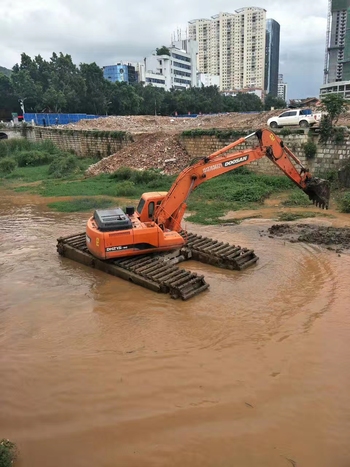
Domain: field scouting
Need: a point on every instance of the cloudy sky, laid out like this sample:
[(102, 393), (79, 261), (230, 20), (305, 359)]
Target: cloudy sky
[(108, 31)]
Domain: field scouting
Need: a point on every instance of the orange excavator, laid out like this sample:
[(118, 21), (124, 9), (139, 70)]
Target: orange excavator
[(155, 226)]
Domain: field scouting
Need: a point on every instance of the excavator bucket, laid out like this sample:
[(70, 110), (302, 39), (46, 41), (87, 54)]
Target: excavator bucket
[(318, 191)]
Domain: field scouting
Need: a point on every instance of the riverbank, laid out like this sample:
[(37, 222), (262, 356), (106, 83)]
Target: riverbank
[(60, 178)]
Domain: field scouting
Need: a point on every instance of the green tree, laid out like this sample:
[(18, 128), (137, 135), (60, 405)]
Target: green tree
[(97, 92), (246, 102), (163, 50), (8, 100), (124, 99), (334, 105), (273, 101)]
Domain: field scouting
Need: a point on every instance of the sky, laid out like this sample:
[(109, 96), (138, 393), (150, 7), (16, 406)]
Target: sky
[(110, 31)]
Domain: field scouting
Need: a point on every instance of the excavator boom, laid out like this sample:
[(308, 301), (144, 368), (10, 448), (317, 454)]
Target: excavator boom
[(169, 213)]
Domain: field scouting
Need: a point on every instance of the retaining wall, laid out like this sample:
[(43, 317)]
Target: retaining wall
[(103, 143), (329, 156), (83, 143)]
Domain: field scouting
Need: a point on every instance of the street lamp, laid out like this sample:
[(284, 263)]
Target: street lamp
[(21, 103), (108, 103)]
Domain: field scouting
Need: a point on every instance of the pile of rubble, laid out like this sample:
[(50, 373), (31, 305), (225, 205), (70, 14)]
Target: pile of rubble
[(153, 124), (155, 150)]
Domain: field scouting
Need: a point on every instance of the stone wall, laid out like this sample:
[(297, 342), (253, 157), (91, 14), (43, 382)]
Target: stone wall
[(11, 133), (104, 143), (84, 143), (328, 157)]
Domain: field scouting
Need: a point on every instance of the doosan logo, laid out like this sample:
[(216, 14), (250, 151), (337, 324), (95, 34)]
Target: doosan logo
[(236, 161)]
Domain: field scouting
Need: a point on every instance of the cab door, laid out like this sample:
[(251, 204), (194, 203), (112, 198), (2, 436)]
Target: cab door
[(288, 118)]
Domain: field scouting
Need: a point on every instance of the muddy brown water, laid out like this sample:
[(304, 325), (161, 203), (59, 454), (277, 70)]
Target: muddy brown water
[(99, 372)]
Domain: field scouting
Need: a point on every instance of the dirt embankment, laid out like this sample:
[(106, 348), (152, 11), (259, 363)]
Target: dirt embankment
[(333, 238), (137, 124)]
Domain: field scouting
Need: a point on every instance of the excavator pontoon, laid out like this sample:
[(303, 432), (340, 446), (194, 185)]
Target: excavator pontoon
[(144, 245)]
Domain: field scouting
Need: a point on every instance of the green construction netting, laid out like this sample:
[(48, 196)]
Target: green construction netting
[(340, 5)]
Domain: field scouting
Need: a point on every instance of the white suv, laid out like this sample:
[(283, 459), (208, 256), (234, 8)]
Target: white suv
[(302, 117)]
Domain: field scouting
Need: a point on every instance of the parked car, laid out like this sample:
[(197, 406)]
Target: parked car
[(302, 117)]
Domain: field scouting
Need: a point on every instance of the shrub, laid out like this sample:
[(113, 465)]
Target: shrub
[(144, 176), (8, 453), (124, 173), (310, 149), (338, 135), (63, 166), (285, 131), (326, 129), (126, 188), (33, 158), (345, 203), (7, 165)]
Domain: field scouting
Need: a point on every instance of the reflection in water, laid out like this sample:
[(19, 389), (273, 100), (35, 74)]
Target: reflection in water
[(97, 371)]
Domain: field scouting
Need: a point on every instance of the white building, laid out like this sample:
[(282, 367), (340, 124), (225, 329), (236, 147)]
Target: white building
[(232, 45), (177, 70), (282, 88), (257, 91), (338, 87), (205, 79)]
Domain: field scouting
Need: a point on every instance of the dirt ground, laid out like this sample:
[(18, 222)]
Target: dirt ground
[(333, 238), (137, 124)]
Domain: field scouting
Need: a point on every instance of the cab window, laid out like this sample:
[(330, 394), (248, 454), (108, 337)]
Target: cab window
[(285, 114), (151, 209), (140, 205)]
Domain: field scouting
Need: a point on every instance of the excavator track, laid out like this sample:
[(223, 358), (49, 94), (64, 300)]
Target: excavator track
[(219, 254), (158, 272), (154, 272)]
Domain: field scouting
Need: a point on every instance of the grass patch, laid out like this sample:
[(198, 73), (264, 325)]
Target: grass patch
[(240, 189), (207, 213), (297, 198), (82, 204), (232, 192), (293, 216), (8, 453)]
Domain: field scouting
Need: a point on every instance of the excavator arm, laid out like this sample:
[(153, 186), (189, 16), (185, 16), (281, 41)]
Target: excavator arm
[(170, 212)]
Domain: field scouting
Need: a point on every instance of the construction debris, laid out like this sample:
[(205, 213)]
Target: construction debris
[(148, 151), (137, 124)]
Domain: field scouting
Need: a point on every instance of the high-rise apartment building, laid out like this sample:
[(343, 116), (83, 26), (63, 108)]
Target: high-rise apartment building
[(232, 45), (272, 56), (338, 67), (282, 88)]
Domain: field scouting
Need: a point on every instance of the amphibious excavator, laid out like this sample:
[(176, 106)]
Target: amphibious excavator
[(144, 245)]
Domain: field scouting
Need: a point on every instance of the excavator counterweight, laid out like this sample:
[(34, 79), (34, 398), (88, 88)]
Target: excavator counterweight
[(144, 245)]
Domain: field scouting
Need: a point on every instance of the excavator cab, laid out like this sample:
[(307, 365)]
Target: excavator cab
[(148, 204)]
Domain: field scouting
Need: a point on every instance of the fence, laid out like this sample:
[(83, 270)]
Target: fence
[(57, 119)]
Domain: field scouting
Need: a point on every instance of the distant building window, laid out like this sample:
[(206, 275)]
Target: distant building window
[(155, 80), (181, 57)]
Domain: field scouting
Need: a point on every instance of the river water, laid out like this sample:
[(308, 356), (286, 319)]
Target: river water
[(99, 372)]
